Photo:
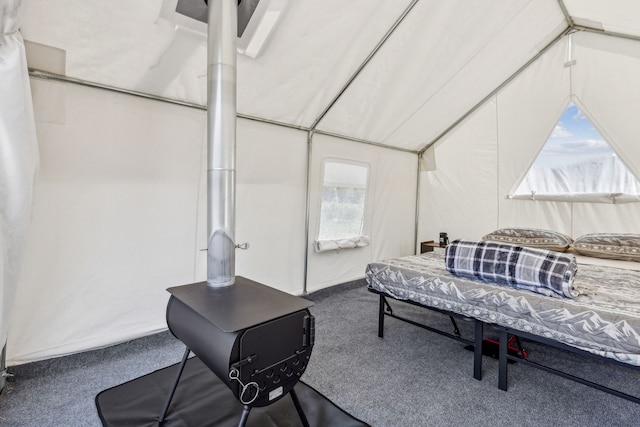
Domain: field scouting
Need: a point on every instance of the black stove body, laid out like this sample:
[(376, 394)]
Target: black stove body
[(256, 339)]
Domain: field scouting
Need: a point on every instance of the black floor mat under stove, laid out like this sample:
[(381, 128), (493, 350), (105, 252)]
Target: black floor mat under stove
[(202, 400)]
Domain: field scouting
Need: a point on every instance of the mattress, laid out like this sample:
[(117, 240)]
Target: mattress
[(604, 318)]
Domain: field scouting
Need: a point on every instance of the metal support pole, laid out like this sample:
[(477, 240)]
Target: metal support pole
[(502, 359), (381, 316), (307, 209), (477, 350)]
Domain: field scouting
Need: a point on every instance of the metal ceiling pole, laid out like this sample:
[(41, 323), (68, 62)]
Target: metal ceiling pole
[(45, 75), (364, 64), (314, 125), (363, 141), (606, 33), (496, 90), (565, 12), (221, 142)]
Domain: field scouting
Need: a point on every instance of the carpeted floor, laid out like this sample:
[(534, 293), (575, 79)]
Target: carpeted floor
[(412, 377)]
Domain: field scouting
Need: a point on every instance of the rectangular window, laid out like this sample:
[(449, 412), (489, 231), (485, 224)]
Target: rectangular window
[(344, 192)]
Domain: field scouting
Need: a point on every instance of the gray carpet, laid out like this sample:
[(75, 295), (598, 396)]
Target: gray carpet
[(412, 377)]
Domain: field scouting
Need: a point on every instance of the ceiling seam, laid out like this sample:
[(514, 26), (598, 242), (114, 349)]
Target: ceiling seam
[(366, 61)]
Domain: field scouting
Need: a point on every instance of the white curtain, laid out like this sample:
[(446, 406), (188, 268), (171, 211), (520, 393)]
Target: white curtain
[(18, 154)]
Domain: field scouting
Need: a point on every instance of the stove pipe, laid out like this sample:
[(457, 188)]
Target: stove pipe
[(221, 141)]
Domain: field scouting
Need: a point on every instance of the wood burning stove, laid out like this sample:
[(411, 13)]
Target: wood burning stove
[(256, 339)]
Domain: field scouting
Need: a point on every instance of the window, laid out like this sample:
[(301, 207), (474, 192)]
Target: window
[(576, 163), (344, 191)]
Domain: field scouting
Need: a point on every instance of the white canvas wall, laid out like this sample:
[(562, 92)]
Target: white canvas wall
[(113, 219), (119, 215), (466, 193), (390, 214), (460, 196)]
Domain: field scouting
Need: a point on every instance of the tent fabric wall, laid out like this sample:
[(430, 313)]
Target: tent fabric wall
[(270, 204), (614, 102), (525, 112), (462, 204), (120, 215), (542, 91), (113, 219), (389, 215), (18, 158)]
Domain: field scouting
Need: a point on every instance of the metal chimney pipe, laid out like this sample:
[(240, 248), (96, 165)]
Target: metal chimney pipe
[(221, 141)]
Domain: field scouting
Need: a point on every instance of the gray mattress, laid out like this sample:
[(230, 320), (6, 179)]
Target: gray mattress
[(604, 319)]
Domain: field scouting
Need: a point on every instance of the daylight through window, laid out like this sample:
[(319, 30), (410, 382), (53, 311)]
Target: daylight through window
[(344, 193), (577, 163)]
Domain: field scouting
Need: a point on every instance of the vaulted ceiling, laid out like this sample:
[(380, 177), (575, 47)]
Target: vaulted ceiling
[(395, 73)]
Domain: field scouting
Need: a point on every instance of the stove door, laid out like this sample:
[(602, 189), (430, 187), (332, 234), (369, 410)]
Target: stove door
[(274, 355)]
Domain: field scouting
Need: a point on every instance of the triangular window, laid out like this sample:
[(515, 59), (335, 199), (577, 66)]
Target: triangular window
[(577, 164)]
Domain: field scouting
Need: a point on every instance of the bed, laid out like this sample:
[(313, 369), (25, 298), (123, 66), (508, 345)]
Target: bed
[(603, 321)]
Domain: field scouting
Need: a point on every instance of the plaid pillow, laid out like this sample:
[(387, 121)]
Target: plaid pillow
[(545, 272)]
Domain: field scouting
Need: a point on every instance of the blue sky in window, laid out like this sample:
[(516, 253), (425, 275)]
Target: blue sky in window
[(573, 140)]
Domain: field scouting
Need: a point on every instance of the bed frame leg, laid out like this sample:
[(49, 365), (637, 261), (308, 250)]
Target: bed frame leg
[(477, 350), (381, 317), (502, 359)]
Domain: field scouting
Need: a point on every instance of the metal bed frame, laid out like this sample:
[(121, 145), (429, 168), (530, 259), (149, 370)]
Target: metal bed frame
[(384, 309), (505, 351), (504, 357)]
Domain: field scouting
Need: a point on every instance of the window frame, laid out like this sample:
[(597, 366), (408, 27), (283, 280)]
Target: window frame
[(589, 197), (361, 239)]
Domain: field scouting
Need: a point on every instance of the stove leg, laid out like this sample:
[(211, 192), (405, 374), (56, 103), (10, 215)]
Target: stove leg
[(244, 416), (175, 385), (296, 403)]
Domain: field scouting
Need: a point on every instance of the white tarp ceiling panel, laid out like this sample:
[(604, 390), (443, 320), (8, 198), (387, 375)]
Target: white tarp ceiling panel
[(441, 61), (311, 55), (121, 43), (619, 16), (147, 47), (444, 58)]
